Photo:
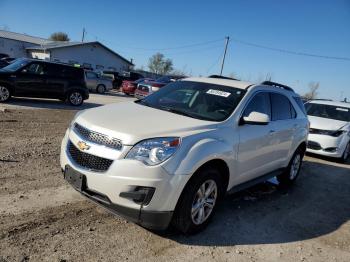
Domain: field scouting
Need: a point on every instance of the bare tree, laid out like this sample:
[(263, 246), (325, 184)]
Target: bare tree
[(59, 36), (312, 94), (159, 64)]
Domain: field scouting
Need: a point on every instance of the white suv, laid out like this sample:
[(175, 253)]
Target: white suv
[(329, 128), (170, 157)]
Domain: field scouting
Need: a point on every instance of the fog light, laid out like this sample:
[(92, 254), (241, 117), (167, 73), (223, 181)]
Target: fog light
[(140, 195)]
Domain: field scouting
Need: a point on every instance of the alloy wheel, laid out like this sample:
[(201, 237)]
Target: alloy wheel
[(204, 202), (4, 93), (76, 98), (294, 169)]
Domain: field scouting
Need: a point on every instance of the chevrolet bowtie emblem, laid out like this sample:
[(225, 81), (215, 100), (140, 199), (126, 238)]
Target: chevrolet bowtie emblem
[(83, 146)]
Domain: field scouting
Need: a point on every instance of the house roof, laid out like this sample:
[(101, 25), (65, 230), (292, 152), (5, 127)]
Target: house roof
[(55, 45), (23, 37)]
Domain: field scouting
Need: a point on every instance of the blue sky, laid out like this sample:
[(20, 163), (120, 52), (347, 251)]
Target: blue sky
[(137, 29)]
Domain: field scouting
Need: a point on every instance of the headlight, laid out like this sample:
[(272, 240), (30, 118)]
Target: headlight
[(154, 151), (338, 133)]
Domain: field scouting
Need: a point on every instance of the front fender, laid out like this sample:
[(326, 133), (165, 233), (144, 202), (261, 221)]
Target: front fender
[(191, 156)]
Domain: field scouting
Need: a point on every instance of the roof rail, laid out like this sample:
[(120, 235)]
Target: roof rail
[(321, 99), (222, 77), (270, 83)]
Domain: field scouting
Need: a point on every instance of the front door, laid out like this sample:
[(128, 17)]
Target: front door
[(256, 155), (31, 80)]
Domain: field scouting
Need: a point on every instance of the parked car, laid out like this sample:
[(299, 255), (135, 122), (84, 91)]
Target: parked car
[(329, 128), (129, 86), (37, 78), (115, 75), (182, 148), (145, 89), (97, 83), (130, 76)]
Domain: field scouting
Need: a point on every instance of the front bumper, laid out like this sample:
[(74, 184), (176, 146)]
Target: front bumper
[(125, 175), (156, 220), (327, 145)]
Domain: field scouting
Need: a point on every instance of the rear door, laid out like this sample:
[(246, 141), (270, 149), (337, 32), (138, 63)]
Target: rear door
[(56, 81), (283, 117), (91, 80), (31, 80), (256, 154)]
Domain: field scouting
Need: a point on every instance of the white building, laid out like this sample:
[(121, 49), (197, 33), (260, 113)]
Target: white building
[(92, 55)]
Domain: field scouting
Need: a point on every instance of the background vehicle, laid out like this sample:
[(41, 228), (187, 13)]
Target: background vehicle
[(145, 89), (37, 78), (130, 76), (115, 77), (129, 86), (97, 82), (182, 148), (329, 128)]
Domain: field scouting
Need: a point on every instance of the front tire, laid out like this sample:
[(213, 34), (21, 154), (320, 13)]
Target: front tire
[(198, 202), (101, 89), (5, 93), (75, 98), (291, 173)]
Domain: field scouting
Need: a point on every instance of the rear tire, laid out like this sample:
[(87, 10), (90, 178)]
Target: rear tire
[(75, 98), (198, 201), (291, 173), (101, 89), (5, 93)]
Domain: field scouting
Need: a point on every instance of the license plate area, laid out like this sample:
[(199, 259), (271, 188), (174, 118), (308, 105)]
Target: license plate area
[(73, 177)]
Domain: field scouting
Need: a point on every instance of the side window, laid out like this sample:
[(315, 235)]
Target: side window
[(91, 75), (35, 68), (282, 109), (260, 103), (300, 104)]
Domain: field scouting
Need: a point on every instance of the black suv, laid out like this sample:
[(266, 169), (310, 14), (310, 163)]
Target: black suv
[(37, 78)]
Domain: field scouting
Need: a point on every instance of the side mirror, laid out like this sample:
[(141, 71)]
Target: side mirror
[(256, 118)]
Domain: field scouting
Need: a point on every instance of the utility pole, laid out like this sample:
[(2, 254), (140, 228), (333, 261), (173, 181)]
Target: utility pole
[(227, 38), (82, 38)]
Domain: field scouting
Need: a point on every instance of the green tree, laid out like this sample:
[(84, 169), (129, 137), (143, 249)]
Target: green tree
[(159, 64), (59, 36)]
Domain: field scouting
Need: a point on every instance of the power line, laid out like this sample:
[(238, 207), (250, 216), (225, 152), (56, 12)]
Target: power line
[(289, 51), (177, 47)]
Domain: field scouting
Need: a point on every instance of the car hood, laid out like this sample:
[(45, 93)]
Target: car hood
[(132, 122), (326, 123)]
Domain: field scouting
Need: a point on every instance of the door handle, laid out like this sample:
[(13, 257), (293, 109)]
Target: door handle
[(272, 131)]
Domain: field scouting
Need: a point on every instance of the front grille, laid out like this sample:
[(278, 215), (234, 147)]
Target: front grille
[(97, 138), (88, 161), (313, 145)]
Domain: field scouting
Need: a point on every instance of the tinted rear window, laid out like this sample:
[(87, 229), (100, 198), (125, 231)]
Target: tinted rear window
[(282, 109), (300, 104)]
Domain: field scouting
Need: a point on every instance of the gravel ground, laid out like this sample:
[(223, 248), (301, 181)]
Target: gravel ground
[(43, 219)]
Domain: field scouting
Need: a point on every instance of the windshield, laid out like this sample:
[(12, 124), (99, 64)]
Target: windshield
[(15, 65), (197, 100), (328, 111)]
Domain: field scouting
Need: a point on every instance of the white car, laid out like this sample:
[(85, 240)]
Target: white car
[(169, 158), (329, 128)]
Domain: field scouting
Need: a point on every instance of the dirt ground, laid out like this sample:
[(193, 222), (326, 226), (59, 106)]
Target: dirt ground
[(43, 219)]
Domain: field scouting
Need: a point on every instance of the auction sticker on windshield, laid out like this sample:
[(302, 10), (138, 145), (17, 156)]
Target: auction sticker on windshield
[(218, 93)]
